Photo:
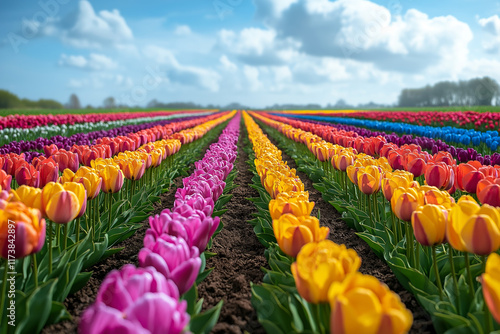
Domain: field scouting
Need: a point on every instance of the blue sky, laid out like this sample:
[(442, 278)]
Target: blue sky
[(256, 52)]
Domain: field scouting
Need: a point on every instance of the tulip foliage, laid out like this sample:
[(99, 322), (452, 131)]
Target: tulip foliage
[(438, 245), (79, 216), (322, 290)]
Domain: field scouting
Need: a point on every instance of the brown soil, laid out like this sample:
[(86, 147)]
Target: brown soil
[(340, 233), (239, 259)]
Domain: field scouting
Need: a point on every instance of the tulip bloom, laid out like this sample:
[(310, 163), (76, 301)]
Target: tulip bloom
[(5, 180), (343, 160), (361, 304), (472, 228), (151, 313), (49, 172), (173, 258), (30, 196), (488, 191), (491, 285), (112, 179), (123, 287), (92, 183), (283, 204), (26, 174), (81, 193), (133, 169), (415, 164), (29, 230), (320, 264), (67, 159), (60, 205), (369, 179), (393, 180), (429, 224), (293, 232), (404, 201), (440, 176)]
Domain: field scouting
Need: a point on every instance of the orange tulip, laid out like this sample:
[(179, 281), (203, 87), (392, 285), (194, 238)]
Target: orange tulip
[(5, 180), (440, 175), (28, 228), (284, 203), (488, 191)]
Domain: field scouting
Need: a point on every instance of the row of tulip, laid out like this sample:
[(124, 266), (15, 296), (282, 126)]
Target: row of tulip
[(439, 169), (424, 213), (486, 141), (31, 121), (101, 221), (481, 121), (322, 291), (147, 299), (432, 145), (44, 169), (22, 135), (32, 148)]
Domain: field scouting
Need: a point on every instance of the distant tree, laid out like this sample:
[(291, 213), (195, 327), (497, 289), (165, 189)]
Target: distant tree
[(89, 106), (49, 104), (74, 102), (477, 91), (109, 103), (9, 100)]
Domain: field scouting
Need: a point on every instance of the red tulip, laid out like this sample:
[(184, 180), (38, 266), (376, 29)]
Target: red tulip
[(5, 180), (49, 172), (27, 175)]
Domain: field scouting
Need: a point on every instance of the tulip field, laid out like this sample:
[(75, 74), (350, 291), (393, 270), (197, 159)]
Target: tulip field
[(205, 221)]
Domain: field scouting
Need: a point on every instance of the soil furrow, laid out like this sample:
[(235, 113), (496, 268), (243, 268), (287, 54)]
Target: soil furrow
[(239, 258)]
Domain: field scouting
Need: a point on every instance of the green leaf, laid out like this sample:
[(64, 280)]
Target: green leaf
[(203, 323)]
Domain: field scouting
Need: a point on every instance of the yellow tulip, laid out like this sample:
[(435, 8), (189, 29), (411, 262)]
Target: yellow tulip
[(92, 183), (112, 178), (284, 203), (67, 176), (473, 228), (361, 304), (404, 201), (79, 190), (293, 232), (491, 285), (320, 264), (369, 179), (30, 196), (429, 224)]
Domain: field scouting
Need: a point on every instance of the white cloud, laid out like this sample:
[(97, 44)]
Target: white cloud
[(96, 62), (255, 46), (227, 64), (102, 80), (364, 31), (86, 29), (252, 75), (492, 26), (182, 30), (182, 74)]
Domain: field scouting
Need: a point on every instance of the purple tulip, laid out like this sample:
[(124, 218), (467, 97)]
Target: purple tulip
[(151, 313), (172, 257)]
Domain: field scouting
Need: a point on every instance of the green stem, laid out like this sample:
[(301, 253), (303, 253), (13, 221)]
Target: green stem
[(58, 236), (487, 313), (50, 246), (469, 275), (454, 276), (370, 213), (35, 269), (436, 272), (417, 256), (109, 209), (66, 228), (4, 288)]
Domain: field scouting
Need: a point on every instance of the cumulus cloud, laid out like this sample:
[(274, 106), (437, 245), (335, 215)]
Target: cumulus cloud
[(255, 46), (182, 30), (94, 62), (491, 25), (85, 28), (182, 74), (367, 32), (252, 75), (227, 64)]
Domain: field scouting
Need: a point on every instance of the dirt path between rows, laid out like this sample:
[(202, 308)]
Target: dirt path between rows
[(340, 233), (239, 259)]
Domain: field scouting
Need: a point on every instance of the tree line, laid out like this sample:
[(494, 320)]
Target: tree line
[(474, 92)]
